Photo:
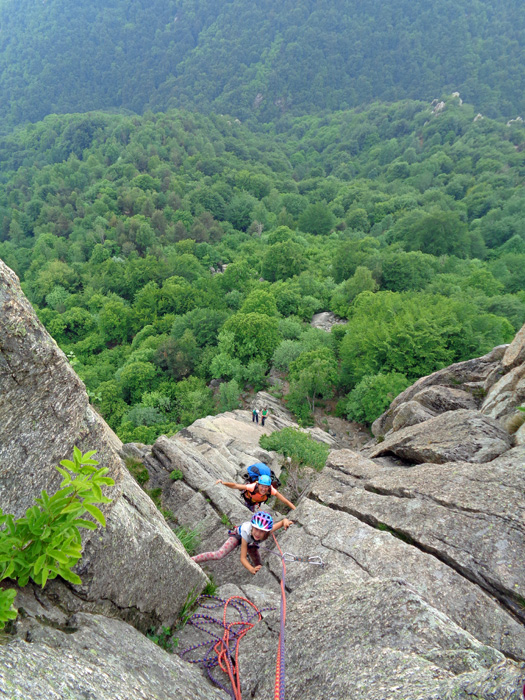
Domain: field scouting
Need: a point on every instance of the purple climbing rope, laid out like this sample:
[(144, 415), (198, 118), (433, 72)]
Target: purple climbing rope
[(201, 621)]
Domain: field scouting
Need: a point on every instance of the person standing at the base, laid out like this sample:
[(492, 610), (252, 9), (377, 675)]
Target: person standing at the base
[(264, 416), (255, 416)]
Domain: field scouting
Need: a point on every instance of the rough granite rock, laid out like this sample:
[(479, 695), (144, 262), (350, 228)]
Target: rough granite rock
[(506, 395), (136, 565), (221, 446), (326, 320), (515, 353), (441, 399), (345, 543), (374, 640), (429, 402), (453, 436), (519, 436), (97, 658), (471, 517), (473, 375), (410, 413)]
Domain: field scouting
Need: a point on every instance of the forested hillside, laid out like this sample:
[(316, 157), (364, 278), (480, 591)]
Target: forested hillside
[(256, 60), (167, 250)]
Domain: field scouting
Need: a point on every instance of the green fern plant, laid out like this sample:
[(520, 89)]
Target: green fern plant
[(45, 542)]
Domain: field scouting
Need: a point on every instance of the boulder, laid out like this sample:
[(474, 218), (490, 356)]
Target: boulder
[(515, 353), (461, 435), (506, 395), (441, 399), (429, 402), (519, 437), (475, 375), (135, 566), (326, 320), (410, 413)]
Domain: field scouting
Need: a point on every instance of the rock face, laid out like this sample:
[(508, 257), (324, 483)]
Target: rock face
[(452, 436), (376, 639), (421, 537), (91, 656), (218, 447), (473, 376), (135, 567)]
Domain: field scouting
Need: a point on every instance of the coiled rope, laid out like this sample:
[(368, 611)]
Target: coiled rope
[(222, 651)]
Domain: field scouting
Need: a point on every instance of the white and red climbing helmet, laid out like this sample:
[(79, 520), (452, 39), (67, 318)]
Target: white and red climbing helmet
[(262, 521)]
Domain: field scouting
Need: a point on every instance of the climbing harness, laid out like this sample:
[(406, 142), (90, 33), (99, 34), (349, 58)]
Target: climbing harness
[(222, 650)]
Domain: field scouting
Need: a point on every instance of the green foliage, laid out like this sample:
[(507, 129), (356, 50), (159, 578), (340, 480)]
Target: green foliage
[(118, 227), (286, 352), (372, 396), (299, 446), (313, 375), (260, 301), (317, 219), (254, 336), (229, 395), (282, 261), (137, 470), (361, 281), (176, 475), (156, 496), (190, 539), (413, 335), (211, 587), (45, 542), (114, 57), (164, 639)]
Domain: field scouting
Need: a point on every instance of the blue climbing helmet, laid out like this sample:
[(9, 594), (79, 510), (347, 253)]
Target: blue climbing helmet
[(262, 521), (265, 480)]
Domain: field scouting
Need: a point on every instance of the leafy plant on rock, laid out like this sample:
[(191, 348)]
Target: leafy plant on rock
[(45, 542)]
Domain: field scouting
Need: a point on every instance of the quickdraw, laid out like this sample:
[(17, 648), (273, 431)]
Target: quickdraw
[(287, 556)]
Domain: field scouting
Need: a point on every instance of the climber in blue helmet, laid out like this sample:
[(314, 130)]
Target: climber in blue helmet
[(258, 492), (248, 535)]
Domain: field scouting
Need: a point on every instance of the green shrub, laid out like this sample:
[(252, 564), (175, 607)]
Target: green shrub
[(229, 395), (297, 445), (45, 542), (373, 395), (176, 475)]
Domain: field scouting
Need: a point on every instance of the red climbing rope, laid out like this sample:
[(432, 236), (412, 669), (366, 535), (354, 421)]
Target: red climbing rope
[(222, 648), (279, 667), (223, 652)]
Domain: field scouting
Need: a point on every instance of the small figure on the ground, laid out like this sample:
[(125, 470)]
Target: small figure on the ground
[(248, 535), (255, 416), (258, 492), (264, 416)]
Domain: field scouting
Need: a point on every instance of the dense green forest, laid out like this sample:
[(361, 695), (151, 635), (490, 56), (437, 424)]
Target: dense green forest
[(259, 61), (166, 250)]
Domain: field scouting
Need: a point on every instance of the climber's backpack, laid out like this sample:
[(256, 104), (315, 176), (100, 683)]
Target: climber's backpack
[(258, 469)]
